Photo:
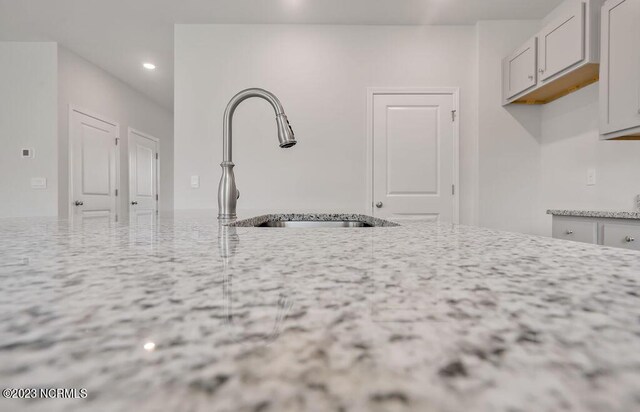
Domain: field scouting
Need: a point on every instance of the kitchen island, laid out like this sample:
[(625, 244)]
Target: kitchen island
[(181, 314)]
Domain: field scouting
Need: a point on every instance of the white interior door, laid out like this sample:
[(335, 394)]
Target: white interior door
[(143, 173), (94, 161), (414, 155)]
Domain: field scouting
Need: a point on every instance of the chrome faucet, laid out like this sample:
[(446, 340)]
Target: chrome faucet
[(228, 193)]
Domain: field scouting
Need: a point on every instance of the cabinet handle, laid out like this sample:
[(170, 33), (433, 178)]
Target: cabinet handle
[(569, 232), (78, 203), (379, 205), (629, 239), (531, 77), (541, 71)]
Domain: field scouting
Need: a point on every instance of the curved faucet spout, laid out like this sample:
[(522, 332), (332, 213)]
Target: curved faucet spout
[(285, 133), (228, 194)]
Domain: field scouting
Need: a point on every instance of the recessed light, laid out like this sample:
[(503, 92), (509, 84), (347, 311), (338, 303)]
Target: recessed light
[(149, 66)]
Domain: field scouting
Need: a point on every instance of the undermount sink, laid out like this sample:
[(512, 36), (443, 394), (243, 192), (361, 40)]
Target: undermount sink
[(313, 220), (314, 223)]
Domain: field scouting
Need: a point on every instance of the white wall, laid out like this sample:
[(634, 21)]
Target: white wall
[(321, 74), (28, 119), (570, 146), (87, 86), (509, 138)]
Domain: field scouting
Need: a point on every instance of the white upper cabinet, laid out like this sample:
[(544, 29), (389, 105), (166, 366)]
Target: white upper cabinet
[(562, 43), (567, 56), (620, 70), (521, 69)]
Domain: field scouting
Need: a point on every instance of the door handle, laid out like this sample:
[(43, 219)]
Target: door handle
[(379, 205), (133, 202), (78, 203)]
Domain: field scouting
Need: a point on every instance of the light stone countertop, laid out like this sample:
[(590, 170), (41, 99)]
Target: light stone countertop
[(595, 213), (420, 317)]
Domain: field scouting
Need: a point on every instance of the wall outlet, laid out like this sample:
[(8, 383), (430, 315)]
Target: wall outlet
[(195, 182), (591, 177), (38, 182)]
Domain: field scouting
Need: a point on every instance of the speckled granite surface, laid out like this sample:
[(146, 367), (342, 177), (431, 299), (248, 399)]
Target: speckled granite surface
[(595, 213), (421, 317)]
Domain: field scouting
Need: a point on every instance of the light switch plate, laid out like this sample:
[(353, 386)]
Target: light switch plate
[(38, 182), (591, 177), (195, 182), (26, 153)]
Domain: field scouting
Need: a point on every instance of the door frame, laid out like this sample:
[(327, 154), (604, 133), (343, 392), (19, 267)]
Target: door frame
[(130, 138), (74, 108), (455, 94)]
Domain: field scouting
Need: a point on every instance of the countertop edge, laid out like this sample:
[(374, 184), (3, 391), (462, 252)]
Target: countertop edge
[(595, 213)]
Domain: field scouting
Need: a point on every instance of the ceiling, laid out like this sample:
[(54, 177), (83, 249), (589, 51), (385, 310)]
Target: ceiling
[(119, 35)]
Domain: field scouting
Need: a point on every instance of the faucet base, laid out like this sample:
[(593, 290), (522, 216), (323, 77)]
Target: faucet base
[(227, 192)]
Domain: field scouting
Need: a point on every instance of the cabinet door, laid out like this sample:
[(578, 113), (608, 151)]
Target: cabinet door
[(622, 235), (620, 67), (520, 69), (576, 229), (561, 44)]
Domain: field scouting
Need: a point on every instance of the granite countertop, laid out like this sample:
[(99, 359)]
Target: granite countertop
[(420, 317), (595, 213)]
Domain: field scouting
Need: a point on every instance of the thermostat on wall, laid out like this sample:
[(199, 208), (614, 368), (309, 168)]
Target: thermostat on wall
[(38, 182), (27, 152)]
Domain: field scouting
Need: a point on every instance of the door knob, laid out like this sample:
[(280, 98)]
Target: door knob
[(134, 202), (78, 203), (379, 205)]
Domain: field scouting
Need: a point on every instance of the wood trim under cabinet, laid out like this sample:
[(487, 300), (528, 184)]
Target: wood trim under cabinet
[(569, 83)]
